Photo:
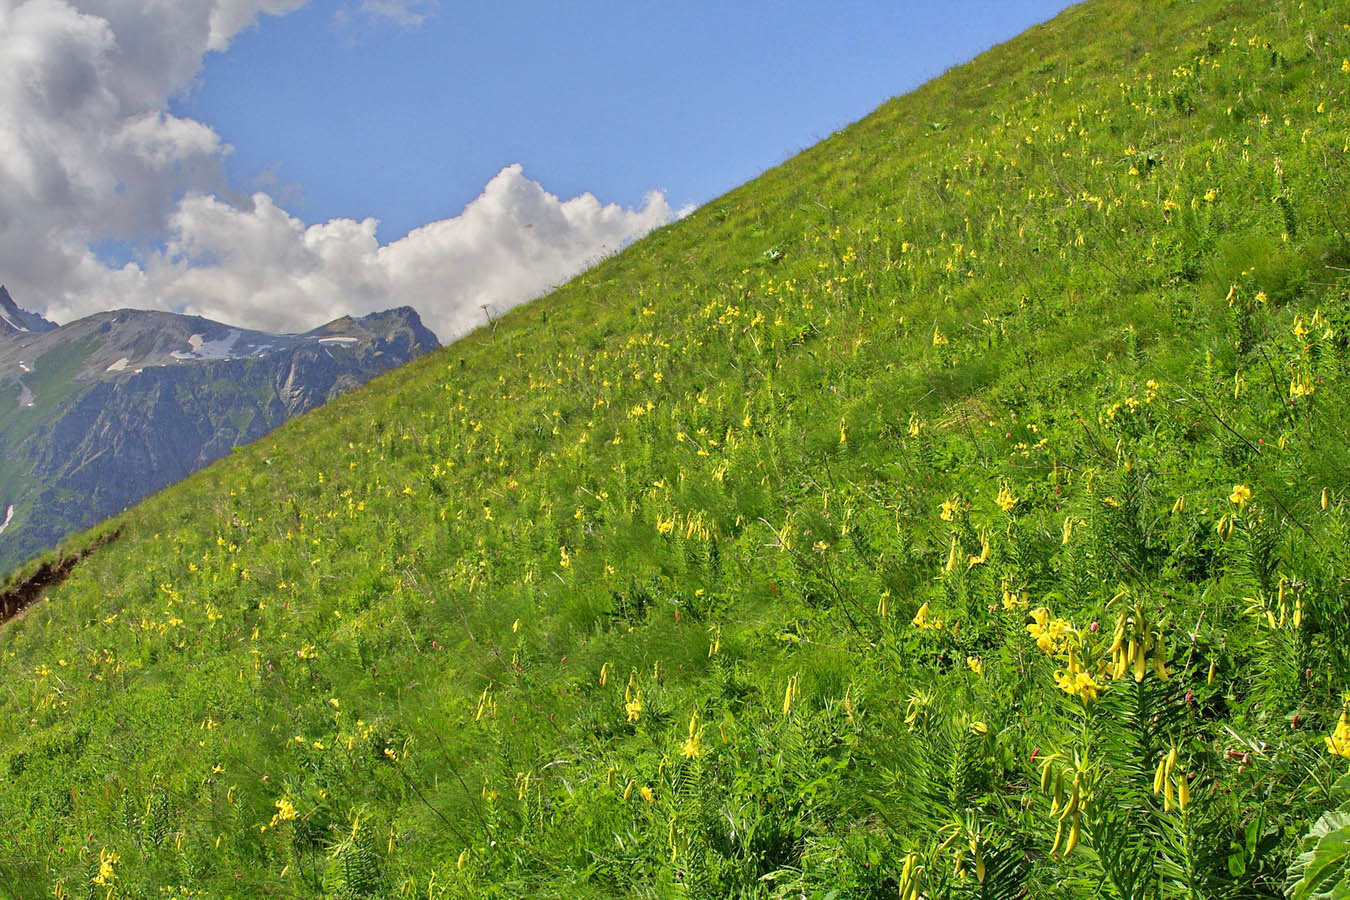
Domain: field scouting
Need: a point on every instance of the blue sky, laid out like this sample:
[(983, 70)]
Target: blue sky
[(279, 163), (371, 118)]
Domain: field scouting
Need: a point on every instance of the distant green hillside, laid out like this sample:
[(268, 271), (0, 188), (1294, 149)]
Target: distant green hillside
[(957, 510)]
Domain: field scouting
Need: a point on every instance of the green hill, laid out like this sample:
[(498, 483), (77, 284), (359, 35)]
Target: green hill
[(957, 510)]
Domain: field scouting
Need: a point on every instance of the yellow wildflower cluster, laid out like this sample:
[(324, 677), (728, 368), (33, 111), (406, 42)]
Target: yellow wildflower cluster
[(926, 620), (1013, 598), (1164, 783), (1136, 646), (911, 878), (107, 859), (285, 813), (977, 559), (1066, 802), (1281, 610), (692, 747), (694, 525), (1300, 385), (1077, 681), (1053, 635)]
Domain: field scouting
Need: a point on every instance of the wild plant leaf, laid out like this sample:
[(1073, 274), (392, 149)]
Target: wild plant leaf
[(1322, 870)]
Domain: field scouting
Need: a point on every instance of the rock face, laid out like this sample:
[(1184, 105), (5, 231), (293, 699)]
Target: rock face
[(99, 413), (14, 320)]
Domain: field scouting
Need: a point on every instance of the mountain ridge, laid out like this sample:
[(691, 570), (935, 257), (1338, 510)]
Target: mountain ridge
[(14, 320), (114, 406)]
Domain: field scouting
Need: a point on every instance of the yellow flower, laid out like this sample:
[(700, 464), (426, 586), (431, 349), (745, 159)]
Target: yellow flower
[(106, 860), (485, 705), (647, 794), (634, 707), (1005, 499), (983, 557), (1163, 781), (1075, 680), (790, 693), (285, 811), (1241, 494), (939, 338), (975, 664), (692, 747), (949, 509), (1053, 636), (922, 619), (1012, 598), (952, 556), (1300, 386), (1338, 742)]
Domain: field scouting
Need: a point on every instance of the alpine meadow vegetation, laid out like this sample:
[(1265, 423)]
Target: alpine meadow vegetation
[(958, 510)]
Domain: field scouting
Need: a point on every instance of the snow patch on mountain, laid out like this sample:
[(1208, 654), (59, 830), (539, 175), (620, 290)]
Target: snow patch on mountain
[(200, 348)]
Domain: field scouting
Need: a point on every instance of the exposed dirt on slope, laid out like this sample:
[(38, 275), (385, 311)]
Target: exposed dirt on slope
[(16, 599)]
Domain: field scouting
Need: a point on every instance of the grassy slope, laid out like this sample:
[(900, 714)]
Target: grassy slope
[(446, 636)]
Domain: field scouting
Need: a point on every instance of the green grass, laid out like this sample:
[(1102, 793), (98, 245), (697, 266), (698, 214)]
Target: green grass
[(619, 598)]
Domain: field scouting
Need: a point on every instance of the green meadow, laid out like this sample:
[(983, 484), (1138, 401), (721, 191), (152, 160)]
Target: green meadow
[(958, 510)]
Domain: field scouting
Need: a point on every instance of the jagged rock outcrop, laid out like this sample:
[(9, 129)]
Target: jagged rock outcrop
[(14, 320), (99, 413)]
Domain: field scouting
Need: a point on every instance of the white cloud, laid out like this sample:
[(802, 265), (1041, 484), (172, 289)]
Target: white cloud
[(263, 268), (90, 153), (408, 13)]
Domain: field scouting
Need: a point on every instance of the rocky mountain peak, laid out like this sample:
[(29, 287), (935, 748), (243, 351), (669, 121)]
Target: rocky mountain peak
[(99, 412), (14, 320)]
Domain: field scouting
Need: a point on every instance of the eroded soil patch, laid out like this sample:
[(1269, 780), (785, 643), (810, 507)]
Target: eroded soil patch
[(14, 600)]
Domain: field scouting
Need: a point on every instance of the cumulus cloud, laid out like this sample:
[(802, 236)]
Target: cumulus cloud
[(88, 150), (89, 153), (262, 268)]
